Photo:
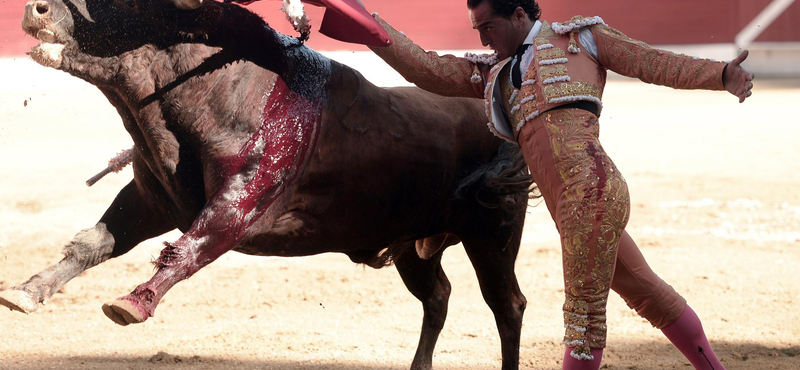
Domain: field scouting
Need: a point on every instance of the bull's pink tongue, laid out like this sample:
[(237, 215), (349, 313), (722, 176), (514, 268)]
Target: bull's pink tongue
[(45, 35)]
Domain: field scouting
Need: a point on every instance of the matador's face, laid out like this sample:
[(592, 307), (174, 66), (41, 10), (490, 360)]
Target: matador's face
[(503, 35)]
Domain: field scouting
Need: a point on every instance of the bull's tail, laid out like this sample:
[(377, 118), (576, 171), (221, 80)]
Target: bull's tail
[(504, 183)]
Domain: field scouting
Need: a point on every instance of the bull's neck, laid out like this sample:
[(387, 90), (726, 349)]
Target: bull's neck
[(93, 69), (304, 70)]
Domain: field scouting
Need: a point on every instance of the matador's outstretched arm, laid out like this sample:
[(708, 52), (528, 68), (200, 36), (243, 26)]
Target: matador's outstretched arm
[(737, 80), (444, 75), (636, 59)]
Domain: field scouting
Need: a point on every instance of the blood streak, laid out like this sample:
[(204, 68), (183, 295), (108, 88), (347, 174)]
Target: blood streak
[(269, 161), (267, 164)]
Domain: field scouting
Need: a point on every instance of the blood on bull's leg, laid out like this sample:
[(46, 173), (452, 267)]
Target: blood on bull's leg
[(126, 223), (268, 163)]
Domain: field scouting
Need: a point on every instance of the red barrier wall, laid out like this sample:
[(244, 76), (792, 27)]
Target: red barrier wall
[(444, 24), (13, 41)]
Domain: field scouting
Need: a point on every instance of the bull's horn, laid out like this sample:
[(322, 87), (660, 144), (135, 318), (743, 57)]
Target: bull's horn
[(187, 4)]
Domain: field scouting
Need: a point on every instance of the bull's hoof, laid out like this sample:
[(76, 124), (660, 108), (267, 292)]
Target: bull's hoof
[(124, 312), (18, 300)]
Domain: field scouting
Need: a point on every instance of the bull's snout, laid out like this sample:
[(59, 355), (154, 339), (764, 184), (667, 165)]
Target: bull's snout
[(38, 18), (39, 9), (38, 15)]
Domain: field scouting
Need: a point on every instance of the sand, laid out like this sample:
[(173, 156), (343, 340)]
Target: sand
[(716, 211)]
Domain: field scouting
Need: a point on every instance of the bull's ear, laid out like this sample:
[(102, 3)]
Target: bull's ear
[(82, 7)]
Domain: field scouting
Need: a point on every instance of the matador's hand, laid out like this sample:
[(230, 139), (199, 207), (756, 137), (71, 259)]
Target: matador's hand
[(736, 79)]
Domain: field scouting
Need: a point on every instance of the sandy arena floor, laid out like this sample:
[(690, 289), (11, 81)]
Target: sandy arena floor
[(716, 210)]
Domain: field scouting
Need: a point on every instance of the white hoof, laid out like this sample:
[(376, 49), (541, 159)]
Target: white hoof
[(18, 300)]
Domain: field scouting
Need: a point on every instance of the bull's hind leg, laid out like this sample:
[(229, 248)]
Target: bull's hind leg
[(493, 253), (426, 280), (126, 223)]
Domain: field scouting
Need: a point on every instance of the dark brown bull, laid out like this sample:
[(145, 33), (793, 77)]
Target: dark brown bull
[(247, 140)]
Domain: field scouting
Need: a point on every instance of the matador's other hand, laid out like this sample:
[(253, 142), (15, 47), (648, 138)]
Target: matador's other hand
[(736, 79)]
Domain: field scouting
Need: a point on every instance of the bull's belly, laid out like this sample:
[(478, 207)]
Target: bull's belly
[(296, 234)]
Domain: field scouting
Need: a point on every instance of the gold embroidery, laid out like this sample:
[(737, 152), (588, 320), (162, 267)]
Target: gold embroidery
[(545, 33), (616, 212), (506, 90), (551, 53), (515, 110), (524, 94), (594, 210), (558, 70), (572, 89)]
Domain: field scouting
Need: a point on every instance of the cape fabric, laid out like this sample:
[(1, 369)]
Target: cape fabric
[(348, 21)]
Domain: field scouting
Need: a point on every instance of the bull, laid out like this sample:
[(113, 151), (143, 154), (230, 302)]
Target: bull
[(247, 140)]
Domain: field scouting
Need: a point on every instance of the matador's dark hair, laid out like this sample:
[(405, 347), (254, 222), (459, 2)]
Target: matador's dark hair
[(505, 8)]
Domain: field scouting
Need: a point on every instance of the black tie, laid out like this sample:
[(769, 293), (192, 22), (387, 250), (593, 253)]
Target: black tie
[(516, 74)]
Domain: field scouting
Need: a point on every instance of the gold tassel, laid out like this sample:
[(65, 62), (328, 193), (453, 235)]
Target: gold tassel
[(573, 45), (476, 75)]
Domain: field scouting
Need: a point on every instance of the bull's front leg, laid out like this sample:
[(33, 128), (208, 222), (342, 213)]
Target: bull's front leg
[(126, 223), (255, 178)]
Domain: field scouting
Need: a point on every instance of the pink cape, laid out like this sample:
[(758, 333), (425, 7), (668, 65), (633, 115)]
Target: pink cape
[(348, 21)]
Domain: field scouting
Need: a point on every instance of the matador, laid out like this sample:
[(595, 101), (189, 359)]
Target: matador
[(543, 90)]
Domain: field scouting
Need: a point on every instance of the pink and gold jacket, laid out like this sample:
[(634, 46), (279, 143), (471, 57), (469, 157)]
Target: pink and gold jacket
[(561, 71)]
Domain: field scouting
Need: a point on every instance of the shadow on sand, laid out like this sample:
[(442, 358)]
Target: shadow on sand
[(631, 355), (625, 355)]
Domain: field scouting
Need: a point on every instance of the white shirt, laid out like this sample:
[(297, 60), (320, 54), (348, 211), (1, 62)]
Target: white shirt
[(585, 36), (499, 117)]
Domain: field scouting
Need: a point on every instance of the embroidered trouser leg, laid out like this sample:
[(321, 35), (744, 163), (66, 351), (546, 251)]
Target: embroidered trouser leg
[(588, 199)]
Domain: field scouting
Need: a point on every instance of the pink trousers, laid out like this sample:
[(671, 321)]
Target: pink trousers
[(589, 202)]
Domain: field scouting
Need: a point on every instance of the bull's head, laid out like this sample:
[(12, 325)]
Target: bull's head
[(81, 29), (96, 27)]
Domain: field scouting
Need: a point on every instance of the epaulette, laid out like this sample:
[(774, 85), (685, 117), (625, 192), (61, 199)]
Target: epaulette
[(488, 59), (577, 22), (573, 26)]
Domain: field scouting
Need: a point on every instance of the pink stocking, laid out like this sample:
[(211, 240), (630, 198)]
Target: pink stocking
[(686, 333), (572, 363)]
